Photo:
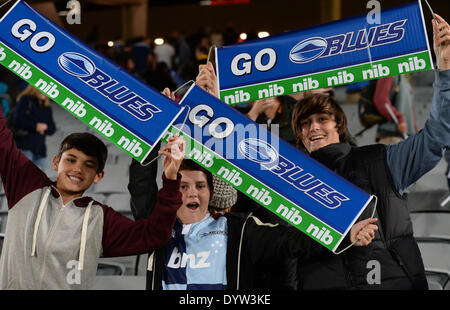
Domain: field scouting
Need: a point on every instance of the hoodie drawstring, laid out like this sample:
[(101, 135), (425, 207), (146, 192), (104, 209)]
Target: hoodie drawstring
[(83, 230), (83, 235), (38, 220)]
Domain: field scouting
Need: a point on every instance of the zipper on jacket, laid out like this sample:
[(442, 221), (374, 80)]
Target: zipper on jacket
[(48, 242)]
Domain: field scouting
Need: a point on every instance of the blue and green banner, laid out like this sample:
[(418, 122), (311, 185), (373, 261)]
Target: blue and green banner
[(94, 90), (269, 170), (337, 53), (134, 117)]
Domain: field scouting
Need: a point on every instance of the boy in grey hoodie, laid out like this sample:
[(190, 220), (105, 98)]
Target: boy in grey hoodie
[(52, 227)]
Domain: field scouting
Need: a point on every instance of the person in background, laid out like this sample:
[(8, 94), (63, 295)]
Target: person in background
[(33, 113), (275, 112), (393, 99)]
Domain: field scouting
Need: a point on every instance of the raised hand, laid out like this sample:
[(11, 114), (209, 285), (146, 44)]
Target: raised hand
[(207, 79), (174, 155), (441, 40)]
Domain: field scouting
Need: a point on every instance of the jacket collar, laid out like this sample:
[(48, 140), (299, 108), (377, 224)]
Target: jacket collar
[(81, 202), (332, 154)]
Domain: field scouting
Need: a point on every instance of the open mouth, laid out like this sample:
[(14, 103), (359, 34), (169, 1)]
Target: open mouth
[(193, 205), (75, 179), (315, 138)]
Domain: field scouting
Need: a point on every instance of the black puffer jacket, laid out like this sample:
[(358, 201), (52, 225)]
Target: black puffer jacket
[(394, 251)]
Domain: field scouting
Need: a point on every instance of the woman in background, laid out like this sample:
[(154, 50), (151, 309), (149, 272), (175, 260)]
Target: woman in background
[(34, 114)]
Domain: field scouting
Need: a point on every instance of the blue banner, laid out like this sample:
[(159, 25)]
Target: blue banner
[(269, 170), (328, 55), (93, 89)]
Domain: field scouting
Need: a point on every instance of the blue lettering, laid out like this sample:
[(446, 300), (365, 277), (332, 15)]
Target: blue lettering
[(396, 31), (319, 193), (336, 198), (139, 108), (97, 79), (375, 36), (347, 47), (306, 182), (288, 176), (380, 33), (282, 166), (120, 95), (363, 40), (103, 88), (334, 45)]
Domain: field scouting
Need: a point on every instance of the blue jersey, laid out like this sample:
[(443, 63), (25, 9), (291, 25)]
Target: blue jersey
[(195, 257)]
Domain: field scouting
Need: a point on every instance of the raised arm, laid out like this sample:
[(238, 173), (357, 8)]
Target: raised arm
[(123, 237), (412, 158), (18, 174)]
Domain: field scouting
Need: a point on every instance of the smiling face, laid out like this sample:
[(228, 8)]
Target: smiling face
[(319, 130), (196, 195), (76, 172), (317, 121)]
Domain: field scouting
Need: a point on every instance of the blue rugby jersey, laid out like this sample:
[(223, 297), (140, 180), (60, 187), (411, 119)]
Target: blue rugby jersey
[(195, 257)]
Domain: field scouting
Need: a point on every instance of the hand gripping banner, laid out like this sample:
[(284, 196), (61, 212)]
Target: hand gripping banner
[(100, 94), (267, 169), (328, 55)]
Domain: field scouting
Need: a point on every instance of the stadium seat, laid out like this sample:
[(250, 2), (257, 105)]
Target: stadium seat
[(110, 269), (3, 220), (123, 160), (431, 225), (3, 203), (119, 283), (119, 202), (116, 170), (435, 255), (436, 280), (2, 237), (427, 200), (127, 262), (112, 184)]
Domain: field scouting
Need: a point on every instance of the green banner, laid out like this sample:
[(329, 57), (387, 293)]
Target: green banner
[(75, 105), (369, 71)]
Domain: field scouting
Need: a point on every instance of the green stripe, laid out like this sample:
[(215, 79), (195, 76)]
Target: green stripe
[(250, 186), (80, 109), (396, 66)]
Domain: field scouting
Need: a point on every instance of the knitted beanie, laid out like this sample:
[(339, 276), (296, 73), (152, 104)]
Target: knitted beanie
[(224, 196)]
